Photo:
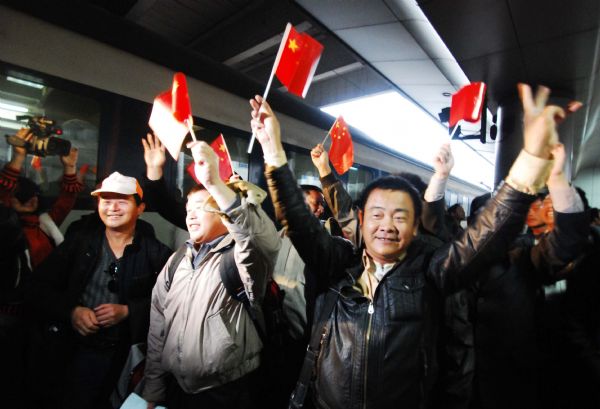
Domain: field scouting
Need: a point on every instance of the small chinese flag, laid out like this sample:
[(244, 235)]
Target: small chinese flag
[(341, 152), (171, 116), (191, 170), (220, 148), (297, 60), (467, 103)]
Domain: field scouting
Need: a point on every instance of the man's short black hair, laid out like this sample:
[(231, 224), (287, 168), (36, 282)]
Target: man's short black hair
[(26, 189), (309, 188), (392, 183), (453, 208), (477, 204)]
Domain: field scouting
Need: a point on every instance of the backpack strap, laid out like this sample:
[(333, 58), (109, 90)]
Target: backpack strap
[(172, 267), (230, 276), (312, 352)]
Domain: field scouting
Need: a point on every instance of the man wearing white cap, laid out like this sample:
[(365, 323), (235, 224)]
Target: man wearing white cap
[(96, 290)]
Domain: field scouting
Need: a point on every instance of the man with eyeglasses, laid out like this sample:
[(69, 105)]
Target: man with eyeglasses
[(95, 291)]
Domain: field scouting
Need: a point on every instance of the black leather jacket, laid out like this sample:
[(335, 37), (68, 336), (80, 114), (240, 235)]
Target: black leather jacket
[(377, 354)]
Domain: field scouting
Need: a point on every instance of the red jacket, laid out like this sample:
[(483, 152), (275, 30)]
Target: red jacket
[(40, 244)]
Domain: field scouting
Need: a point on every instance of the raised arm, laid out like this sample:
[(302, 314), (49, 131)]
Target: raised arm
[(457, 265), (433, 216), (336, 196), (155, 187), (255, 235), (323, 254)]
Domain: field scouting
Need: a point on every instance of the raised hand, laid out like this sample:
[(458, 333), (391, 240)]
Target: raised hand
[(540, 120), (154, 156), (320, 159), (443, 161), (557, 177), (265, 126), (70, 161), (207, 163)]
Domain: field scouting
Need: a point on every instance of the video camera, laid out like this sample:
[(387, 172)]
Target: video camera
[(42, 143)]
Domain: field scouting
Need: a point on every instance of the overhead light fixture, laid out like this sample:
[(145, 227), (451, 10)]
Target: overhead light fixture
[(14, 108), (25, 82), (10, 125), (5, 114)]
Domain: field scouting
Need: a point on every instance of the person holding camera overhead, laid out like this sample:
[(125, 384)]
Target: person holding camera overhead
[(22, 194)]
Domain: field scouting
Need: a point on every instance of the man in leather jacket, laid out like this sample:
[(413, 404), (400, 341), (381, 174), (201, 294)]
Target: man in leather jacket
[(379, 340)]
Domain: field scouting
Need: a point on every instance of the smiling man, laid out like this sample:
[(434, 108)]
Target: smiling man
[(374, 340), (203, 345), (94, 291)]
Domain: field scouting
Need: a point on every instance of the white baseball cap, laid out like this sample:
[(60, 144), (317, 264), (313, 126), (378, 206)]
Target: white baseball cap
[(117, 183)]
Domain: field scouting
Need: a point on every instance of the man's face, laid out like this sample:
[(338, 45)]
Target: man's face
[(388, 224), (202, 226), (118, 211), (540, 217), (316, 202)]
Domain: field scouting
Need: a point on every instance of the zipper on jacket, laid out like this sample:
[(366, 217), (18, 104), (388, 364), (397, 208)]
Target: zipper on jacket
[(370, 311)]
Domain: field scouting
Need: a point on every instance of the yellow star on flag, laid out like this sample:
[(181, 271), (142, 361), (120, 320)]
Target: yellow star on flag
[(222, 147), (292, 45)]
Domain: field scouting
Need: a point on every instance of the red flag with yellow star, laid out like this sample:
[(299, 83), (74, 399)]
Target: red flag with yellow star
[(220, 148), (341, 152), (297, 60)]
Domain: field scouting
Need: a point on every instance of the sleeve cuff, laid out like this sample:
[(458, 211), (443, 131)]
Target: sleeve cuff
[(277, 159), (328, 180), (566, 200), (436, 189), (528, 173)]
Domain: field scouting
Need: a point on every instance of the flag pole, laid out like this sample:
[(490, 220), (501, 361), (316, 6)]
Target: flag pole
[(288, 27), (454, 130), (227, 152), (191, 129), (328, 133)]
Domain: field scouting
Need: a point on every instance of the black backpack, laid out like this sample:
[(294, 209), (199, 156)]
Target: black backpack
[(274, 333)]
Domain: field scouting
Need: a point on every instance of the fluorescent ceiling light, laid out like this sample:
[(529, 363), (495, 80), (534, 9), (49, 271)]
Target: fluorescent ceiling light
[(12, 115), (397, 123), (25, 82), (10, 125), (14, 108)]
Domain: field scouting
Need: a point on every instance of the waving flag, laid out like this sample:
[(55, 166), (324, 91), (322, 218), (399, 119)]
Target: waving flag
[(467, 103), (220, 148), (297, 60), (171, 117), (341, 152)]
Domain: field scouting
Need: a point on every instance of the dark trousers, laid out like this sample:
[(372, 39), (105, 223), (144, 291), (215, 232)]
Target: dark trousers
[(13, 341), (238, 394), (91, 376)]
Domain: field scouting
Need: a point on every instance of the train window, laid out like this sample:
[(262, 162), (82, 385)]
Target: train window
[(237, 150), (302, 166), (358, 178), (22, 97)]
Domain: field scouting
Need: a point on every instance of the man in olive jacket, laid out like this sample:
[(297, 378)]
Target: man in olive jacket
[(379, 340)]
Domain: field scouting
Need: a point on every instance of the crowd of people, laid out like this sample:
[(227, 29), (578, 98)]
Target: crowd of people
[(388, 301)]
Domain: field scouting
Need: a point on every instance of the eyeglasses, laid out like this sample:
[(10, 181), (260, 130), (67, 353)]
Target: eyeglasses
[(113, 271)]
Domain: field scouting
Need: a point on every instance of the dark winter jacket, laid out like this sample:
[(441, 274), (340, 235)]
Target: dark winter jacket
[(377, 354), (61, 279)]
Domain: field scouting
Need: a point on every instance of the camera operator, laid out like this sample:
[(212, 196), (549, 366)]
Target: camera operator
[(22, 194)]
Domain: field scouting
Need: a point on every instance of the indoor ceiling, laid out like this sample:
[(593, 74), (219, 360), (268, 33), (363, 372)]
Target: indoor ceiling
[(371, 46)]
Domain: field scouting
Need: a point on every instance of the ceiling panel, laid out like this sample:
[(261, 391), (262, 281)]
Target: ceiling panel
[(430, 93), (386, 42), (418, 72), (348, 14)]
